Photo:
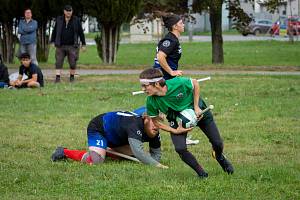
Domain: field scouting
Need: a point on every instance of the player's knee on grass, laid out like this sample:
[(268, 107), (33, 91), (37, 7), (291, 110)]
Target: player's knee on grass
[(91, 157)]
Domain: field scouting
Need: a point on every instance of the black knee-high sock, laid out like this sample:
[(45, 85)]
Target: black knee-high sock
[(191, 161)]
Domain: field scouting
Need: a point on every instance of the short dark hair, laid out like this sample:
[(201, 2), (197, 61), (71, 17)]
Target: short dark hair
[(68, 8), (170, 20), (24, 55), (152, 73), (27, 9)]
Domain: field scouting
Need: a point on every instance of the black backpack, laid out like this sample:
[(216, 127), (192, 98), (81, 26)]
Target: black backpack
[(3, 72)]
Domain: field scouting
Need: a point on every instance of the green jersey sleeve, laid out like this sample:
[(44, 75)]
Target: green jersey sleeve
[(188, 83), (152, 108)]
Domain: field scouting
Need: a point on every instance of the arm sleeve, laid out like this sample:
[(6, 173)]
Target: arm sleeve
[(6, 75), (188, 83), (81, 34), (20, 28), (167, 46), (154, 147), (138, 151), (34, 70), (155, 153), (53, 36), (21, 71)]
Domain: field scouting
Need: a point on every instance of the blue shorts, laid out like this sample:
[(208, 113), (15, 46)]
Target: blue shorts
[(95, 139)]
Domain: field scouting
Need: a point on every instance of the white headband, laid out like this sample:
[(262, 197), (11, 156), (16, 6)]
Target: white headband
[(151, 80)]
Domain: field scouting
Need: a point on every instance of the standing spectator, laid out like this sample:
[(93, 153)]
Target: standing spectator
[(27, 29), (65, 36)]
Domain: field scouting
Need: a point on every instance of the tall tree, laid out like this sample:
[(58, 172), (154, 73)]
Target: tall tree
[(42, 12), (213, 7), (110, 16), (8, 23)]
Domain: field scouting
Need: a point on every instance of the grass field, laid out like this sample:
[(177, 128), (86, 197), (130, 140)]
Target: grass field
[(236, 54), (258, 117), (248, 55)]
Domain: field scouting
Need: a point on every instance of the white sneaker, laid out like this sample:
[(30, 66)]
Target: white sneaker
[(191, 142)]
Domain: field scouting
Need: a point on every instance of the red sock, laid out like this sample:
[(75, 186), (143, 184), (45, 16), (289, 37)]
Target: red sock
[(74, 154)]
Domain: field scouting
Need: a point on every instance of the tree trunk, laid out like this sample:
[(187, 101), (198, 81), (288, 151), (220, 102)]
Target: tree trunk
[(110, 45), (215, 18), (116, 41), (103, 45), (8, 43), (42, 43), (108, 42)]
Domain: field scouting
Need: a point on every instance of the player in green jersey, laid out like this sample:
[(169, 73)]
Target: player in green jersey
[(173, 96)]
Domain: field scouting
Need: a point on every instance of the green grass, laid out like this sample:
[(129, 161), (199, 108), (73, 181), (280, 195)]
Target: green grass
[(249, 55), (258, 117)]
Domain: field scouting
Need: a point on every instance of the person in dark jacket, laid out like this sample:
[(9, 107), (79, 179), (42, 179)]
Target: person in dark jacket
[(4, 78), (65, 36)]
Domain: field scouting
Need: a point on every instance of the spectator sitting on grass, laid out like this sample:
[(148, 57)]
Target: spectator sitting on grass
[(4, 80), (33, 72)]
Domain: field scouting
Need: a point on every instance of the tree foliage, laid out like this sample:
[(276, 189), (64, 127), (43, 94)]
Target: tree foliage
[(214, 7), (110, 16), (9, 13)]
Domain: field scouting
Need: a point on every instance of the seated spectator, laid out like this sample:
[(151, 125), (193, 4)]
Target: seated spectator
[(4, 80), (33, 72)]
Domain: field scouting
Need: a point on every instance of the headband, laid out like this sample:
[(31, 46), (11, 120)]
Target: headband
[(151, 80)]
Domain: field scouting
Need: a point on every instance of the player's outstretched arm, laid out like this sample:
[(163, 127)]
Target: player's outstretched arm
[(137, 149), (179, 130)]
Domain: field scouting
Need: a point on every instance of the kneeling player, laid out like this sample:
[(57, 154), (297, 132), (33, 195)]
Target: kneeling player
[(124, 132)]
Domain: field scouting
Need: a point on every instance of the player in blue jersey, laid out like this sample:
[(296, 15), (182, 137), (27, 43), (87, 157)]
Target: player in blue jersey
[(168, 51), (124, 132)]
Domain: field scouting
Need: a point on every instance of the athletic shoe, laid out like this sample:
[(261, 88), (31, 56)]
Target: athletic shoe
[(225, 164), (203, 174), (57, 79), (191, 142), (72, 79), (58, 154)]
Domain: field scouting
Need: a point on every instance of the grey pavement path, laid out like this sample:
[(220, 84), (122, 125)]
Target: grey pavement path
[(50, 73), (198, 38)]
